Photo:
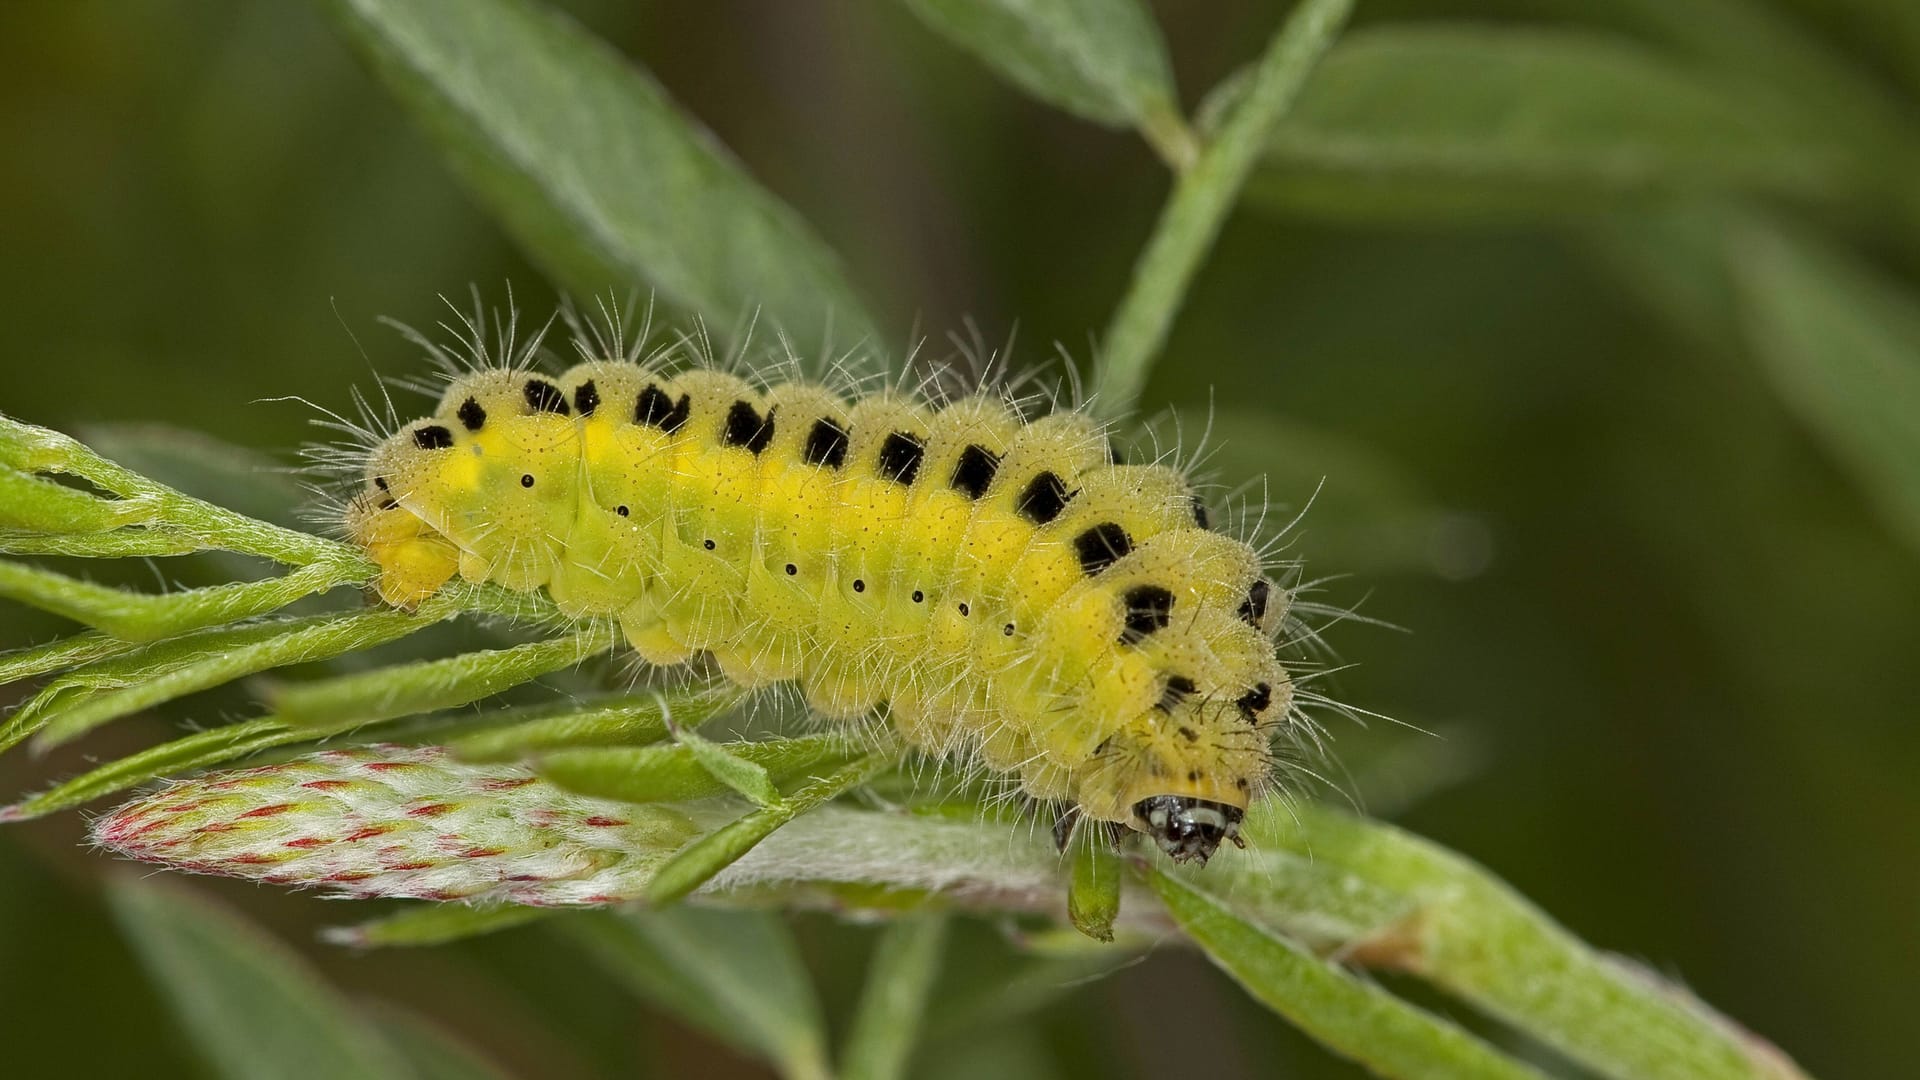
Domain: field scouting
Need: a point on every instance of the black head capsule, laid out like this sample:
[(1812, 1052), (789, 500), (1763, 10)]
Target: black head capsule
[(1186, 828)]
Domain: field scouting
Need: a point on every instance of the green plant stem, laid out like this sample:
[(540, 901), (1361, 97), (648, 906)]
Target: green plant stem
[(1201, 199), (1474, 936)]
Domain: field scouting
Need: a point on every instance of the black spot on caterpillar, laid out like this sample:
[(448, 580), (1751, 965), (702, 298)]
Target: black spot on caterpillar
[(900, 457), (973, 473), (1101, 547), (746, 427), (826, 445), (1149, 608), (1254, 608), (655, 408), (999, 584), (543, 396), (1045, 496)]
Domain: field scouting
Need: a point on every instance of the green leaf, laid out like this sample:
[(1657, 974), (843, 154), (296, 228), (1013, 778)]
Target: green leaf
[(748, 779), (614, 720), (1446, 122), (594, 170), (136, 616), (681, 772), (893, 1001), (84, 699), (406, 689), (1201, 200), (1353, 1018), (205, 468), (1010, 994), (735, 974), (135, 543), (1102, 60), (17, 664), (1843, 347), (434, 924), (254, 1008), (32, 504), (32, 449), (1472, 935), (433, 1053), (696, 863), (179, 756)]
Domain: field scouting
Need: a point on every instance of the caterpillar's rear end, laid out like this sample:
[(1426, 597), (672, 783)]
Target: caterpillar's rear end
[(995, 585)]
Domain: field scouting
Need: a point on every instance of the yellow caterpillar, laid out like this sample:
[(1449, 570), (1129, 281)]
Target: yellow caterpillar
[(991, 583)]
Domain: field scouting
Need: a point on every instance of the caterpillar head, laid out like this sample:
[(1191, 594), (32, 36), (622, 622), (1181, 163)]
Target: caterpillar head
[(491, 472), (1187, 828), (1184, 768)]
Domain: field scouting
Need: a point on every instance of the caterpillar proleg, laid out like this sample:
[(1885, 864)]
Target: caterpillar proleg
[(988, 583)]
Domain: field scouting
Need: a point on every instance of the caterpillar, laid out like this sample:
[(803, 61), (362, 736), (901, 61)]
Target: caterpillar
[(981, 580)]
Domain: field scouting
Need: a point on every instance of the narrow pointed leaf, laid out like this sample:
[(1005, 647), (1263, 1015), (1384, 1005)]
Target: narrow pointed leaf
[(1843, 347), (58, 655), (1103, 60), (434, 924), (674, 773), (594, 169), (254, 1009), (697, 863), (30, 503), (1432, 122), (175, 758), (621, 719), (747, 778), (893, 1001), (204, 467), (1353, 1018), (430, 685), (195, 662), (136, 616), (1202, 198)]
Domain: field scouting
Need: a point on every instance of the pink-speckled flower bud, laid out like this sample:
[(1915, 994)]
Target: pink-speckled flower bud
[(401, 822)]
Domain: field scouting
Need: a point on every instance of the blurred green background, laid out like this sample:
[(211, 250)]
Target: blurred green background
[(1667, 644)]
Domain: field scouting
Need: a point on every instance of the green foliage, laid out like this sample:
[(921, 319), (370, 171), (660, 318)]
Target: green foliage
[(1442, 123), (1720, 163), (900, 979), (1843, 347), (694, 768), (253, 1007), (738, 977), (1099, 59), (596, 172), (1364, 1022), (1201, 198)]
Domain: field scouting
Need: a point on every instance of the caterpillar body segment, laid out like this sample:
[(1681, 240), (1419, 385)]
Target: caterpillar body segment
[(993, 584)]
